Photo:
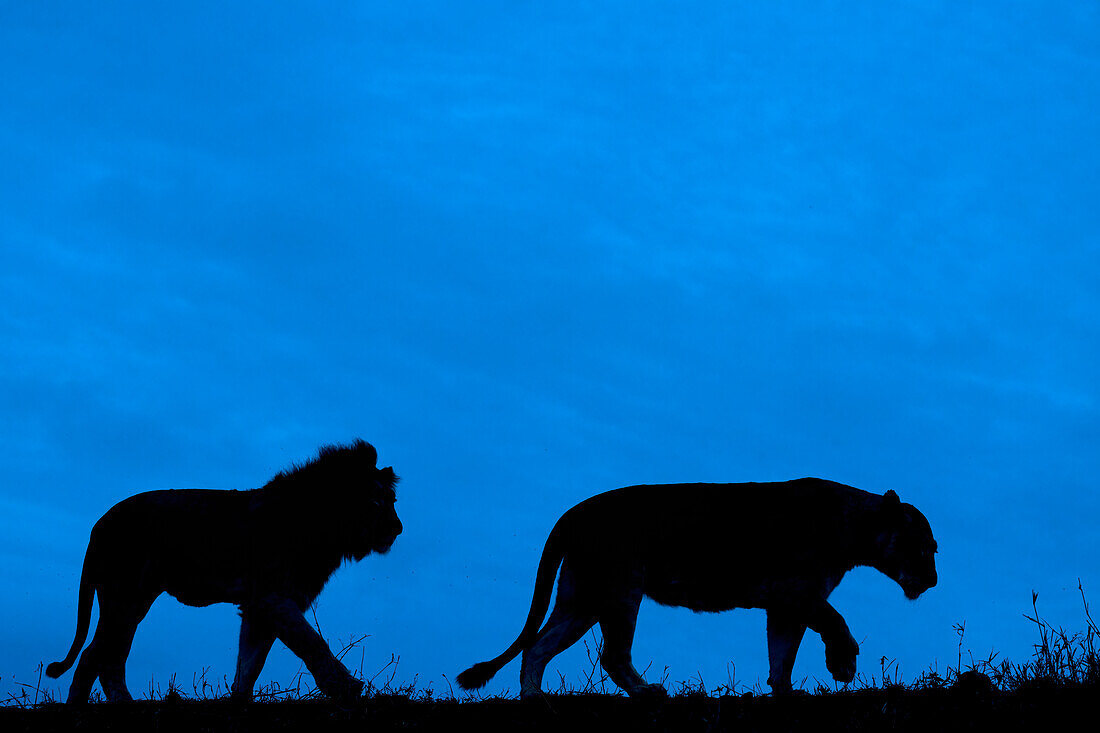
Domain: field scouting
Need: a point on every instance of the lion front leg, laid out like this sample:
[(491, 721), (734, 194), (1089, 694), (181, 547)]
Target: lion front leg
[(840, 657), (785, 632), (257, 636), (292, 629), (841, 648)]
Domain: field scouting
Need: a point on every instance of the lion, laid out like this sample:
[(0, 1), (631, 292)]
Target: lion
[(270, 551), (781, 546)]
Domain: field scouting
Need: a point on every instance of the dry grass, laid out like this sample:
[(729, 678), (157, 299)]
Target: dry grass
[(1060, 660)]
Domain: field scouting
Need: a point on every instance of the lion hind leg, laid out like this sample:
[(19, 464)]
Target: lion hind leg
[(113, 679), (561, 631), (618, 619), (85, 674), (105, 657), (564, 628)]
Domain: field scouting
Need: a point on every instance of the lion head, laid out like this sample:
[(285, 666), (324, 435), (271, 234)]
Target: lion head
[(905, 547), (357, 497)]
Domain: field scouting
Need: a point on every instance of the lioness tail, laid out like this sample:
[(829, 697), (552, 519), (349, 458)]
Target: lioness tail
[(83, 618), (477, 675)]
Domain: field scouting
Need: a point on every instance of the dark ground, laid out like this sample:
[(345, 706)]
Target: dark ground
[(925, 710)]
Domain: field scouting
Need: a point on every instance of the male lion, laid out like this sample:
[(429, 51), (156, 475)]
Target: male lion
[(782, 547), (269, 550)]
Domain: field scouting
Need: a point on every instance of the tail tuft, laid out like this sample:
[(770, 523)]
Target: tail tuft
[(476, 676), (56, 669)]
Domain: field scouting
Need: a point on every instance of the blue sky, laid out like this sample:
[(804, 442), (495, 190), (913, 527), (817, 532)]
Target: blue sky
[(536, 253)]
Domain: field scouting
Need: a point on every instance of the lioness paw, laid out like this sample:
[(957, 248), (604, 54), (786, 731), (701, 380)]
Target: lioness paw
[(840, 659), (650, 692), (531, 693)]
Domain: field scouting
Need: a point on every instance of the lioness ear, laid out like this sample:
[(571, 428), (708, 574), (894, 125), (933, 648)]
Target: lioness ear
[(890, 500)]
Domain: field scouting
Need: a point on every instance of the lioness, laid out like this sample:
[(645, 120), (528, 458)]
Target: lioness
[(782, 547), (269, 550)]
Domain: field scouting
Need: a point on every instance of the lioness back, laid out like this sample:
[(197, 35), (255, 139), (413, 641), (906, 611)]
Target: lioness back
[(711, 546)]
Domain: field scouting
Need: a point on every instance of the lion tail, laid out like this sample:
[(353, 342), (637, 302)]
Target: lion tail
[(552, 554), (83, 619)]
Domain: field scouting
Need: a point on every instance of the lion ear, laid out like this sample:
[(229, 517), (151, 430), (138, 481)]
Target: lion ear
[(367, 450), (387, 475)]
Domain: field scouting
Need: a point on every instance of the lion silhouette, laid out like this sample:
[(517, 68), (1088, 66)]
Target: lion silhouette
[(268, 550), (778, 546)]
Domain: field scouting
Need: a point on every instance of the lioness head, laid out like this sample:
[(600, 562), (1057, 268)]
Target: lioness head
[(905, 546)]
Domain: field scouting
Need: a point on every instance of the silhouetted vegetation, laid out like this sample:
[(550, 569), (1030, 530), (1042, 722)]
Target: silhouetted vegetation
[(1060, 682)]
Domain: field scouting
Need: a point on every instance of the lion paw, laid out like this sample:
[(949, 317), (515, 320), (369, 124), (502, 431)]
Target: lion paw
[(840, 659), (649, 692), (347, 688)]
